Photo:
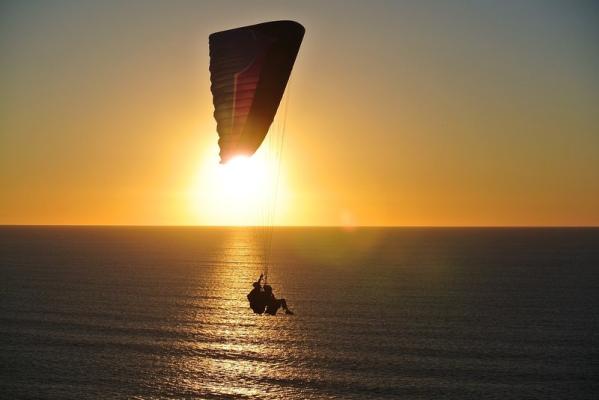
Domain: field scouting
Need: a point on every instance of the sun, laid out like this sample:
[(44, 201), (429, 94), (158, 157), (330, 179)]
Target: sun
[(241, 192), (243, 177)]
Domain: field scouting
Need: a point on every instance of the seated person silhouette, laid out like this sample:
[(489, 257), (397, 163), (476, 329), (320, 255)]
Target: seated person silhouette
[(272, 303), (256, 297)]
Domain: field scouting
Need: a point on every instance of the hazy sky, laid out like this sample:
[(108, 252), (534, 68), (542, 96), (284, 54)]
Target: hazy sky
[(400, 113)]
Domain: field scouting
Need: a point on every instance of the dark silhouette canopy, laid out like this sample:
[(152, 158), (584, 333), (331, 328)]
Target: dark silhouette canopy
[(249, 69)]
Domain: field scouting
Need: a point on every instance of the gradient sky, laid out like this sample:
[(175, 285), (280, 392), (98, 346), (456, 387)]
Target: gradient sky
[(400, 113)]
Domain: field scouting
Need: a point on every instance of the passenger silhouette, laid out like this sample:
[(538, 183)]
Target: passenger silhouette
[(256, 297), (272, 303)]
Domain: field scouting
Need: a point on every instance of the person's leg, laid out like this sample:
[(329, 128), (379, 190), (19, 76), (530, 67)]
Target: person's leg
[(273, 307), (284, 304), (278, 304)]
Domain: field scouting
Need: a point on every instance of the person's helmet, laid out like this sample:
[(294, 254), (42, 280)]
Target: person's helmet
[(256, 285)]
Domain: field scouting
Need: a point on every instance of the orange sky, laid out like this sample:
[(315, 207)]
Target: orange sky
[(399, 114)]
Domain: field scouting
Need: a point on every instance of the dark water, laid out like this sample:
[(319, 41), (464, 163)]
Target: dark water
[(380, 314)]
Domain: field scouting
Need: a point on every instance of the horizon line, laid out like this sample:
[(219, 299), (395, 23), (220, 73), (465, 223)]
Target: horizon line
[(301, 226)]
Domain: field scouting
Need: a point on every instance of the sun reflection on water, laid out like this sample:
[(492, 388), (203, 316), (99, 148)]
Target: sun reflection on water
[(233, 351)]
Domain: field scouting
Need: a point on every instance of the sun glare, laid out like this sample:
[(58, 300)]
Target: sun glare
[(240, 192), (243, 177)]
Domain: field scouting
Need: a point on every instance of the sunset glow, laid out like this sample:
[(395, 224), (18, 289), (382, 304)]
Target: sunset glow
[(290, 200), (435, 114)]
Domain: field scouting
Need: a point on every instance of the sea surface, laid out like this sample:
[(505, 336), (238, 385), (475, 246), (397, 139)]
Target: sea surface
[(406, 313)]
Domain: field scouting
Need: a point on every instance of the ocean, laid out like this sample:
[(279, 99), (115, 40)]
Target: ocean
[(380, 313)]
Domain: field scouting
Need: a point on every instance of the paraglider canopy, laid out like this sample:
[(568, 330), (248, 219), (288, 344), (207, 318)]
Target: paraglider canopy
[(249, 69)]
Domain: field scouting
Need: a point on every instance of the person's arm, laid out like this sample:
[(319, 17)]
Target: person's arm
[(260, 279)]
